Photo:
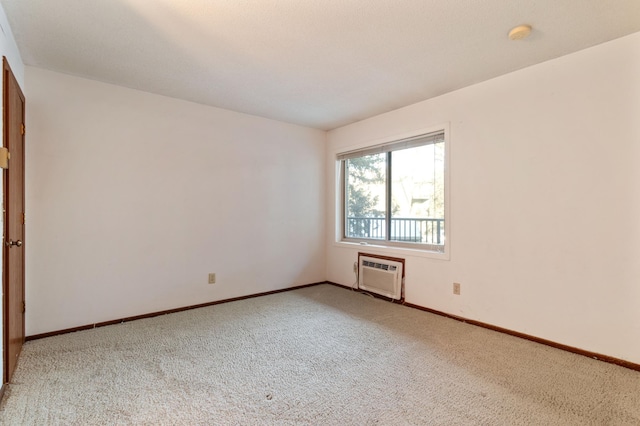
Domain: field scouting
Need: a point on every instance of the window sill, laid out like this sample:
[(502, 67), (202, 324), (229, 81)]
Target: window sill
[(391, 250)]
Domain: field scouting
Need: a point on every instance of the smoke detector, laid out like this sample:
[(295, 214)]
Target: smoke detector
[(520, 32)]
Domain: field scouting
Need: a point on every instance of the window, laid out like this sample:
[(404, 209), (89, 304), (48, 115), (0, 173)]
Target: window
[(394, 193)]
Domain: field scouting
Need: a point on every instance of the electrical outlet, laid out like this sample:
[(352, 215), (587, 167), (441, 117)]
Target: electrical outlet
[(456, 288), (212, 278), (355, 267)]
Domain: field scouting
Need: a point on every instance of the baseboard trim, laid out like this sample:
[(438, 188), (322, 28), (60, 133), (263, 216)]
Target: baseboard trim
[(340, 285), (168, 311), (594, 355), (2, 388), (589, 354)]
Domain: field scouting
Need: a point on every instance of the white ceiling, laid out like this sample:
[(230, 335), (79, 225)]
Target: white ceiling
[(317, 63)]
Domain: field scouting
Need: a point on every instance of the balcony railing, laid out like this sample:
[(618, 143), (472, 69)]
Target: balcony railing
[(426, 231)]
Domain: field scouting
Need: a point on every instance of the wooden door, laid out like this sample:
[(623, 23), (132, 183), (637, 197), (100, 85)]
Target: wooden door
[(13, 260)]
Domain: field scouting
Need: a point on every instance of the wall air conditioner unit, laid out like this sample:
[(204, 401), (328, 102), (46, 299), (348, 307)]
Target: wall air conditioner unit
[(380, 276)]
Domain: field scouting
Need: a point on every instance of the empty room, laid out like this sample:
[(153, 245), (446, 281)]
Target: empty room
[(407, 212)]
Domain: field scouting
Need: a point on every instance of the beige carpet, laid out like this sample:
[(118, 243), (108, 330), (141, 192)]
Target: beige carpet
[(320, 355)]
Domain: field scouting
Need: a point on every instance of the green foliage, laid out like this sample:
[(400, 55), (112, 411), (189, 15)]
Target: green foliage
[(362, 173), (417, 194)]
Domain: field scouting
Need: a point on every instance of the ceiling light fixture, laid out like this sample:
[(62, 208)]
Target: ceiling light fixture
[(520, 32)]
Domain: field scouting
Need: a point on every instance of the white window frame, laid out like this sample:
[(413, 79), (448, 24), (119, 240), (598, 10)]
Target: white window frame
[(387, 246)]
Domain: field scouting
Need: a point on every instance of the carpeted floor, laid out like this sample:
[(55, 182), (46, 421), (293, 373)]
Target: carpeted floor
[(320, 355)]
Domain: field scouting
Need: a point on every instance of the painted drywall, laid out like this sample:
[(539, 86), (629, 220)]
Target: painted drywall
[(545, 171), (134, 198), (8, 49)]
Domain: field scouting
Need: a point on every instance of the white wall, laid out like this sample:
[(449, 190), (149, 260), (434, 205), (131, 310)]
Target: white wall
[(8, 49), (545, 200), (134, 198)]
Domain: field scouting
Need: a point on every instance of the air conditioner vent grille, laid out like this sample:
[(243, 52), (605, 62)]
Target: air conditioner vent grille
[(376, 265), (381, 276)]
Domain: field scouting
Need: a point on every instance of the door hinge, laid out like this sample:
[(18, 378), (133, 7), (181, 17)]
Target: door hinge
[(23, 129), (24, 307)]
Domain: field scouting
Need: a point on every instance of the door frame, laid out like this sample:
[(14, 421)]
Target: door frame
[(6, 72)]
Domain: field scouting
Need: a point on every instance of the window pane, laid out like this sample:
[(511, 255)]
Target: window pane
[(417, 200), (365, 197)]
